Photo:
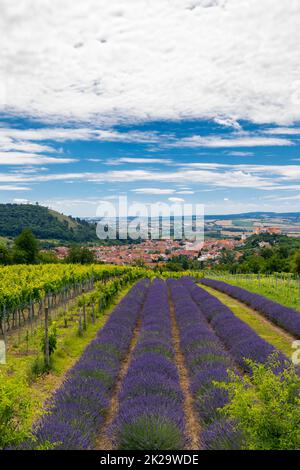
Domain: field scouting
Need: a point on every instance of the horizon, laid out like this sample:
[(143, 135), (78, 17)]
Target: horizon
[(92, 110), (244, 214)]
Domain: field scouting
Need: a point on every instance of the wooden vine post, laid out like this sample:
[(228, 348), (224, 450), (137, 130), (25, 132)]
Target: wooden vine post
[(93, 312), (47, 350), (4, 325), (80, 323), (84, 311)]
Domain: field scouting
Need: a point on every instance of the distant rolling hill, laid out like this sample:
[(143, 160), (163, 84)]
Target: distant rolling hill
[(255, 215), (45, 223)]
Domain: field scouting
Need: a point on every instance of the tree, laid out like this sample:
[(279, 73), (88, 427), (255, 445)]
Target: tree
[(5, 254), (140, 263), (48, 257), (80, 255), (173, 266), (178, 263), (26, 248), (296, 262)]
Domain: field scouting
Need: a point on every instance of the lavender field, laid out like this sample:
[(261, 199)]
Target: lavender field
[(285, 317), (159, 374)]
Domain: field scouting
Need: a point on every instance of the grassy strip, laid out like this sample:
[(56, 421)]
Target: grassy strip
[(283, 290), (261, 326), (69, 349)]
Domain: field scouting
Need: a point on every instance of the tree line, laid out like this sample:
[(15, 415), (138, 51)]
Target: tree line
[(26, 250)]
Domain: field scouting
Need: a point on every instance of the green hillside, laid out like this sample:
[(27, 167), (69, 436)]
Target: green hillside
[(46, 224)]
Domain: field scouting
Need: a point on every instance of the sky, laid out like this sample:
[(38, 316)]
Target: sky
[(194, 101)]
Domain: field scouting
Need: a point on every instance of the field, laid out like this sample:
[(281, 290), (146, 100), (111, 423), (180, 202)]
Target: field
[(282, 288), (141, 362)]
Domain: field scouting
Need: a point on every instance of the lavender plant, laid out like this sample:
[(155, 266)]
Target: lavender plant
[(207, 362), (150, 415), (240, 340), (77, 409), (285, 317)]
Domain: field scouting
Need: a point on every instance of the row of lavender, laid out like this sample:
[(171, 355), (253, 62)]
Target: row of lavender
[(207, 362), (78, 407), (150, 412), (239, 338), (285, 317)]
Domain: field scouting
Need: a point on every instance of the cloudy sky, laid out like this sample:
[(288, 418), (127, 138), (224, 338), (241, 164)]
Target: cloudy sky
[(162, 100)]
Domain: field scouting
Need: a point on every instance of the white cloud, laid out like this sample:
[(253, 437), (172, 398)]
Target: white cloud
[(10, 187), (60, 134), (93, 60), (235, 141), (232, 178), (240, 154), (153, 191), (289, 198), (175, 199), (283, 131), (228, 122), (21, 201), (63, 134), (118, 161), (25, 140), (9, 145), (197, 175), (20, 158)]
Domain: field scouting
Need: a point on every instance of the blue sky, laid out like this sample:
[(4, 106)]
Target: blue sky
[(183, 101)]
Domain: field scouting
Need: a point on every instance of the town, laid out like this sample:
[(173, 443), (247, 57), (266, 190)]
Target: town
[(153, 253)]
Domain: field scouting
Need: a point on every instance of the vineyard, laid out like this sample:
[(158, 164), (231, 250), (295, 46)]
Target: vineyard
[(154, 364), (25, 289)]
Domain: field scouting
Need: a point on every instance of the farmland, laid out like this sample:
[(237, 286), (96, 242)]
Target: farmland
[(282, 288), (284, 317), (141, 362)]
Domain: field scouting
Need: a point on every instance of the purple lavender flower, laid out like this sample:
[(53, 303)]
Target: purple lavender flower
[(222, 435), (205, 357), (150, 415), (240, 340), (285, 317), (77, 408)]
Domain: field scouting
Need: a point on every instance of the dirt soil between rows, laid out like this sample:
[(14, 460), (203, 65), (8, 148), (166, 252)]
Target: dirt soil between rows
[(193, 428)]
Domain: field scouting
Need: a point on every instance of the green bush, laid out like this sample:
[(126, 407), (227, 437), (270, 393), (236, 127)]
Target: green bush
[(36, 369), (16, 406), (266, 405)]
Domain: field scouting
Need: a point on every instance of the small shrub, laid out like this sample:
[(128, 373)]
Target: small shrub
[(150, 433), (266, 405), (15, 411), (36, 369)]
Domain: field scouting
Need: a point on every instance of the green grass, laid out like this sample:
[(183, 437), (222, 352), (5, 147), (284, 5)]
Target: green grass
[(63, 218), (284, 289), (262, 327)]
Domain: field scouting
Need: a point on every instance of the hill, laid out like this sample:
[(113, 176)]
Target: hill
[(46, 224), (255, 215)]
